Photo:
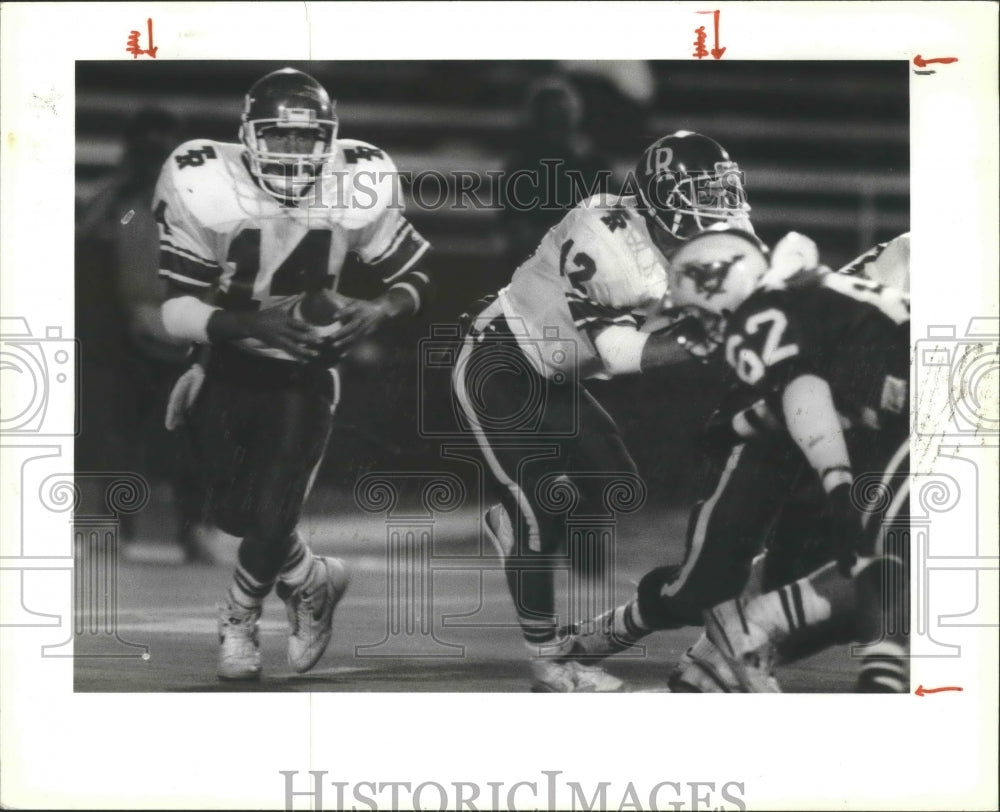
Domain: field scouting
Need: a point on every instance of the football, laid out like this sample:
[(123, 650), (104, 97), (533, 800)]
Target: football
[(319, 310)]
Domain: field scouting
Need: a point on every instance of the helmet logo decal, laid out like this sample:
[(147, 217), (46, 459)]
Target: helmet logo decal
[(657, 160), (709, 276)]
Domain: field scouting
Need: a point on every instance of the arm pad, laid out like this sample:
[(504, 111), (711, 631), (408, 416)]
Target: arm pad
[(814, 425), (620, 348)]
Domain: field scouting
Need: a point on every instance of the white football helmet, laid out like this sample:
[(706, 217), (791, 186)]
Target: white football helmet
[(717, 270)]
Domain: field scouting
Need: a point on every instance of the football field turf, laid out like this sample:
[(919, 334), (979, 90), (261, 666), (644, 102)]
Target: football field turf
[(437, 623)]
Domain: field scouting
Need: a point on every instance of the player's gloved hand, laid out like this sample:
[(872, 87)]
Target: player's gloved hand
[(277, 328), (359, 318), (843, 523), (699, 332), (183, 396)]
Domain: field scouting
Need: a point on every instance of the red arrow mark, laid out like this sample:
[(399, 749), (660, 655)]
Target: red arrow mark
[(921, 690), (920, 62), (717, 52)]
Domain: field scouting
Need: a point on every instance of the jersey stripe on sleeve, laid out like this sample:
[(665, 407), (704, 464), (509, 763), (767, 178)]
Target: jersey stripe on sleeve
[(406, 247), (182, 265), (587, 313)]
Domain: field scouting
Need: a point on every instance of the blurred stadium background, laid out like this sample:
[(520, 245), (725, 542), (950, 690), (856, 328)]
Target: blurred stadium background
[(824, 146)]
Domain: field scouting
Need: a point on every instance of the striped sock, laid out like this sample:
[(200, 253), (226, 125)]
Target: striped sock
[(246, 592), (794, 606), (628, 624), (298, 564), (884, 669)]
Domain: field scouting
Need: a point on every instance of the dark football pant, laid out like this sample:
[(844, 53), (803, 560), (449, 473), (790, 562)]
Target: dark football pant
[(765, 494), (260, 427), (726, 528), (549, 449), (886, 489)]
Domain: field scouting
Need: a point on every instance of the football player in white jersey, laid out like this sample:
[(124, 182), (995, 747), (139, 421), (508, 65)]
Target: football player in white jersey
[(573, 310), (249, 234)]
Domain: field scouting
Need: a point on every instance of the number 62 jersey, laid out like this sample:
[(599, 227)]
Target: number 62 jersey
[(853, 333), (220, 231)]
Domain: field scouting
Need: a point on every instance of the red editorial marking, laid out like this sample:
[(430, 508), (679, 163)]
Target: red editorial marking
[(133, 43), (920, 62), (699, 44), (921, 690)]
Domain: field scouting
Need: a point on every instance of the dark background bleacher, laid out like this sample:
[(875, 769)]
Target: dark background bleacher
[(824, 146)]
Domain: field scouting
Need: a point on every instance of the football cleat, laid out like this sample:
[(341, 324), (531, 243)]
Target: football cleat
[(564, 673), (310, 611), (703, 670), (549, 675), (562, 676), (591, 679), (239, 639), (745, 646)]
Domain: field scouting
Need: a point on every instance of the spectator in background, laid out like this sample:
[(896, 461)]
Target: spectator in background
[(129, 363), (617, 96), (557, 165)]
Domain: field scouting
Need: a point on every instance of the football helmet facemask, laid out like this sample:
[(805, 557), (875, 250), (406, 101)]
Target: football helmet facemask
[(687, 183), (289, 129), (717, 270)]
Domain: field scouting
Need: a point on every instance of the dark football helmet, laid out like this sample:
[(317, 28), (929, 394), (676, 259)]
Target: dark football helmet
[(289, 130), (687, 183)]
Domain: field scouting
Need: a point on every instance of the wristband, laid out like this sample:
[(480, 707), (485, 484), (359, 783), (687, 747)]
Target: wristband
[(836, 476)]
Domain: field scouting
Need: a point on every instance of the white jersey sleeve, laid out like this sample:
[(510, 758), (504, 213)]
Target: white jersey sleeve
[(388, 243), (888, 263), (187, 256)]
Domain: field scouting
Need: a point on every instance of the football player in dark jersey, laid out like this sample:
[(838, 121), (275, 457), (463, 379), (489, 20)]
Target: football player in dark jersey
[(248, 233), (764, 490), (830, 355)]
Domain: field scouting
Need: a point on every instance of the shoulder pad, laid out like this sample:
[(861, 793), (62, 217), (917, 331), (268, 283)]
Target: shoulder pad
[(598, 219), (370, 184), (362, 155), (200, 174)]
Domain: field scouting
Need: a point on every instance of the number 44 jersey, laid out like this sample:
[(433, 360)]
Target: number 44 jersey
[(220, 231)]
